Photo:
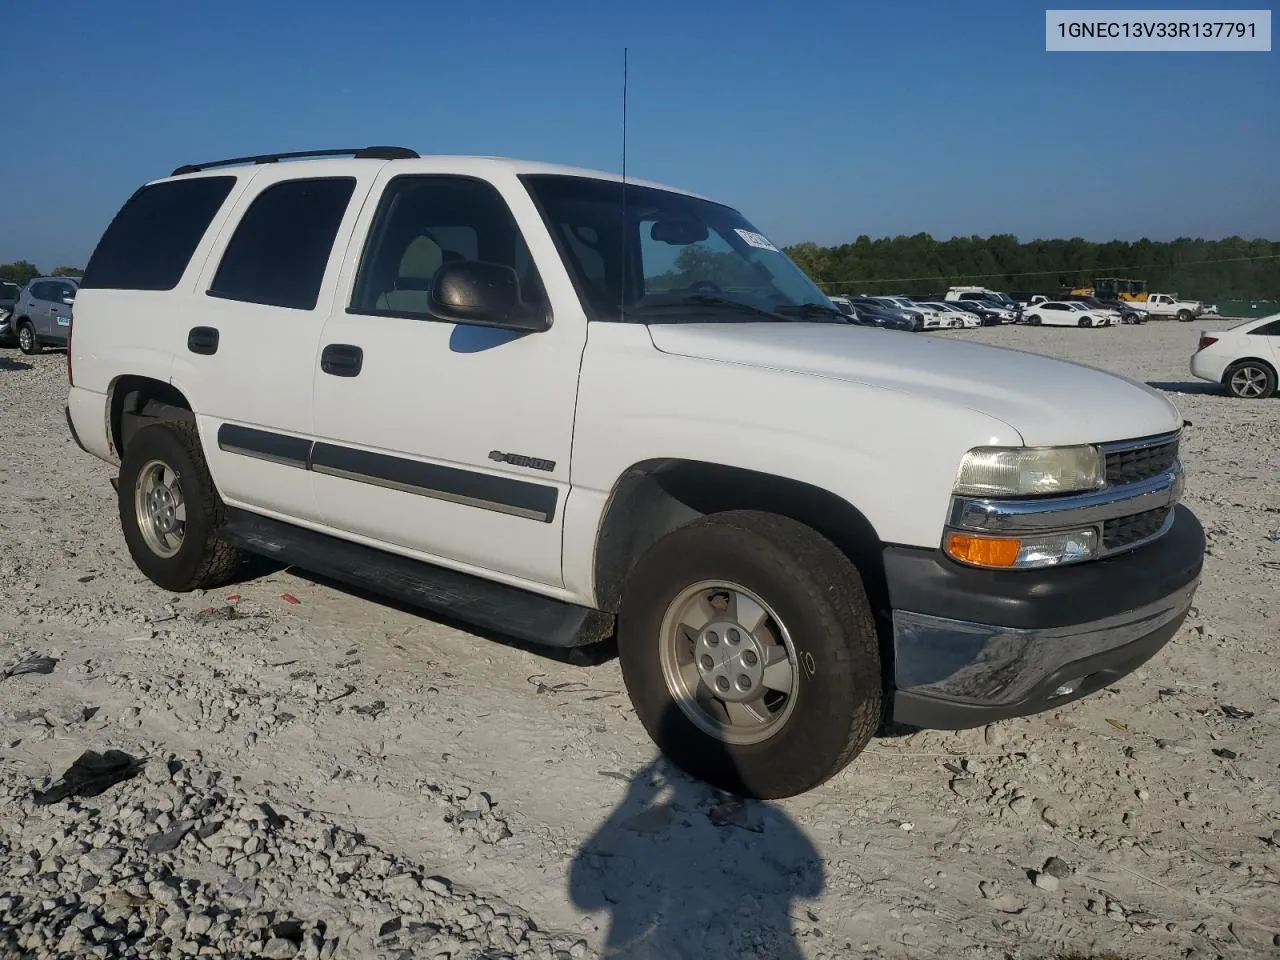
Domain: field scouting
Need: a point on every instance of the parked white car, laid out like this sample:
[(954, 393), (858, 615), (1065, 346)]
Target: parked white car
[(957, 316), (1064, 313), (1244, 358), (933, 319), (1004, 306), (1102, 316), (420, 375)]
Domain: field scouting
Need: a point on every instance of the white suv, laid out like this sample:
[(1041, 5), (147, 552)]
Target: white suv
[(559, 406)]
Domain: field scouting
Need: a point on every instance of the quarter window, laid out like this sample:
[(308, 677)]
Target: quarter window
[(279, 252), (150, 242)]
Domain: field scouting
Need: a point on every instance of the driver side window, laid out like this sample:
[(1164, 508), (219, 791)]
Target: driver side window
[(425, 222)]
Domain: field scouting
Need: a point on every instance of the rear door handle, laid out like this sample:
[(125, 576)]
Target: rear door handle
[(203, 340), (342, 360)]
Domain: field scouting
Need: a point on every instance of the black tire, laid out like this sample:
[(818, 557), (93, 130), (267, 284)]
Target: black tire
[(818, 593), (28, 342), (1186, 316), (1255, 372), (1084, 322), (203, 560), (1034, 320)]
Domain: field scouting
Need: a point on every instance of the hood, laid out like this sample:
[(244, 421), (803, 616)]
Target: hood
[(1047, 401)]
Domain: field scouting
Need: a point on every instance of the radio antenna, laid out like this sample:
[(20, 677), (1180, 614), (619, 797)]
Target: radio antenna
[(622, 293)]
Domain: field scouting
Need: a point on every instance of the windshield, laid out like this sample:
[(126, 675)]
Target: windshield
[(670, 250)]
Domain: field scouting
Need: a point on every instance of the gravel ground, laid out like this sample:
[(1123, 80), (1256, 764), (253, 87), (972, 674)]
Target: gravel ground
[(320, 774)]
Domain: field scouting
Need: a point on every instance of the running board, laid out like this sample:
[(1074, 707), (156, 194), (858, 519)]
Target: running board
[(473, 600)]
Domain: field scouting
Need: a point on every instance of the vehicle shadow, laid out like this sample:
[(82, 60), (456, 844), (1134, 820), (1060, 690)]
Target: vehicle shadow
[(686, 872), (586, 656), (7, 365), (1187, 386)]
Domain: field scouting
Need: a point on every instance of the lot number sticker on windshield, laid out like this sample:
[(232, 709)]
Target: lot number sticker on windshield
[(756, 240)]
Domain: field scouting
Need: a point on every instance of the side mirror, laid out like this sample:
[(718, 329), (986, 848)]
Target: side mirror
[(484, 295)]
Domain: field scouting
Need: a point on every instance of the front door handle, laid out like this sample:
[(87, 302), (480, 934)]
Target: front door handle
[(203, 340), (342, 360)]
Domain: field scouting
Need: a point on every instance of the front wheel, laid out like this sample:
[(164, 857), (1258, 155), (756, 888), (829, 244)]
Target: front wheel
[(748, 648), (1034, 320), (1085, 322), (170, 512), (27, 341), (1251, 380)]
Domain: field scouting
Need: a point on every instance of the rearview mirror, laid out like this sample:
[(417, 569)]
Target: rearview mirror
[(679, 232), (483, 295)]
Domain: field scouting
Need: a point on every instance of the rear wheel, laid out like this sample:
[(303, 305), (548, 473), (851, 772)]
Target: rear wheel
[(1186, 316), (748, 649), (170, 512), (27, 340), (1251, 380)]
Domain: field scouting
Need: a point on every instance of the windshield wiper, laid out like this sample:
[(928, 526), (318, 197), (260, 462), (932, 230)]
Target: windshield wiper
[(710, 300), (813, 310)]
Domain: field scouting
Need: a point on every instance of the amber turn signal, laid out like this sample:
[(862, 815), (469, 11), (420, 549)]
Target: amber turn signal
[(984, 551)]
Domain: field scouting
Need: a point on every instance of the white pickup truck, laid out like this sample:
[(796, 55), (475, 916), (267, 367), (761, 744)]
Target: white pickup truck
[(1167, 305), (566, 408)]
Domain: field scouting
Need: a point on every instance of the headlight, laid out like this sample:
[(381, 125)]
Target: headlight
[(1029, 471)]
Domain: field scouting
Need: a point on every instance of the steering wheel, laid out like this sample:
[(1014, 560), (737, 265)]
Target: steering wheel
[(705, 286)]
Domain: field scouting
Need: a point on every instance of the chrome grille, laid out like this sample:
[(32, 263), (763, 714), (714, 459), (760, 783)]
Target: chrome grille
[(1126, 531), (1131, 463)]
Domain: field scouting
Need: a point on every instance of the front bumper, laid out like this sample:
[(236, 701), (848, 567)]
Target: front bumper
[(975, 646)]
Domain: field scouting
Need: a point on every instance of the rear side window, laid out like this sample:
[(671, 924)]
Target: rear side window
[(279, 251), (1271, 329), (149, 243)]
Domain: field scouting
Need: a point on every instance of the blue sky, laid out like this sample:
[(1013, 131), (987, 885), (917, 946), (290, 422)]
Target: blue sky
[(820, 121)]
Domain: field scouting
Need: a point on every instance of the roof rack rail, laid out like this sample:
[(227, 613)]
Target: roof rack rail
[(360, 153)]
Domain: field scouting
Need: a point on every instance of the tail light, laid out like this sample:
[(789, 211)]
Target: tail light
[(1206, 341), (70, 329)]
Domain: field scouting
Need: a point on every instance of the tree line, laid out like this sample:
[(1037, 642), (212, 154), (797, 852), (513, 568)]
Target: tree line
[(1230, 269), (22, 271)]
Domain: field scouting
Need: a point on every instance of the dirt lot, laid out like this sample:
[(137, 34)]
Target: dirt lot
[(432, 793)]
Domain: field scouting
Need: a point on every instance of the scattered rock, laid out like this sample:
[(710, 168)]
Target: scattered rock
[(1057, 867), (278, 948), (1046, 882), (103, 859)]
